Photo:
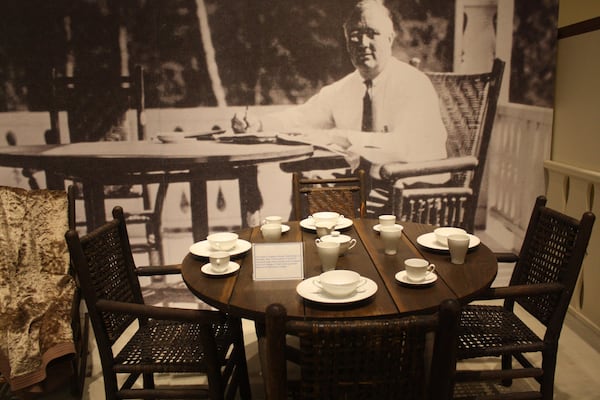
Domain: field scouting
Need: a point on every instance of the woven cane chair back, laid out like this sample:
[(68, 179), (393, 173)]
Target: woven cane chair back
[(345, 196), (365, 359), (110, 276), (552, 252)]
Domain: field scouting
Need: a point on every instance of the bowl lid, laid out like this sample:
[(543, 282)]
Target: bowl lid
[(336, 236)]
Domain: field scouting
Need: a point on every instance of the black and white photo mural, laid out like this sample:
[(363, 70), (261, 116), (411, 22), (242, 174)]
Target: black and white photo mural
[(373, 86)]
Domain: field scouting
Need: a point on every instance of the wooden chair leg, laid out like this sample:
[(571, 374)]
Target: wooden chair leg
[(80, 363), (148, 380), (506, 365), (549, 368)]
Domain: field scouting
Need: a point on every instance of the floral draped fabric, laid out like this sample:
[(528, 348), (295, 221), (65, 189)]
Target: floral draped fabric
[(36, 290)]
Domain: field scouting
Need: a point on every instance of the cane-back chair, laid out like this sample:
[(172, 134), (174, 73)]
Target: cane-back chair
[(542, 284), (345, 195), (364, 359), (96, 107), (165, 340), (468, 108)]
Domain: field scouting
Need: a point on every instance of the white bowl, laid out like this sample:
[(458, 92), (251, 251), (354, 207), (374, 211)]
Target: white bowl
[(326, 217), (339, 282), (222, 241), (442, 233)]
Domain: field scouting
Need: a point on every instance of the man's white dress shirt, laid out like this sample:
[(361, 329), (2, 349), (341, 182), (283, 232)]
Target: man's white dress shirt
[(406, 117)]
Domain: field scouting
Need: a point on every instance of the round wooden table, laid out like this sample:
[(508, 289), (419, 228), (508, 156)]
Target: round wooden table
[(241, 295)]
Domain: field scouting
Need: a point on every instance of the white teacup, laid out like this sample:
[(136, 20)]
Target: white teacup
[(339, 283), (417, 269), (272, 219), (328, 254), (271, 232), (390, 234), (219, 260), (326, 217), (387, 219), (345, 241), (442, 233), (222, 241)]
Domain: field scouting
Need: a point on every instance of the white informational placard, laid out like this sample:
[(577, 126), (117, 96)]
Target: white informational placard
[(278, 261)]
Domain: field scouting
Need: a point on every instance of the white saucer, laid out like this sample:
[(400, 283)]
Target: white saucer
[(428, 240), (402, 277), (284, 228), (309, 223), (203, 249), (231, 268), (378, 227), (308, 290)]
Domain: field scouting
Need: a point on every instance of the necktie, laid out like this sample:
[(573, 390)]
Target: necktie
[(367, 117)]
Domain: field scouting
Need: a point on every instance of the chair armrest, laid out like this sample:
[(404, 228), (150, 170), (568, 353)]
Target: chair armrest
[(160, 313), (399, 170), (158, 270), (506, 257), (535, 289)]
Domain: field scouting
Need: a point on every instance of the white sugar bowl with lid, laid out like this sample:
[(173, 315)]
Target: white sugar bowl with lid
[(345, 241)]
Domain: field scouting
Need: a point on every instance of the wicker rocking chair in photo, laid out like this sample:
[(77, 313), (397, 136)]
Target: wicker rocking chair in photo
[(468, 108)]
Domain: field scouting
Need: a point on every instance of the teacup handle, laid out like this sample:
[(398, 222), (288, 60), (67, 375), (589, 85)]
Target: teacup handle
[(352, 244), (363, 282), (430, 269)]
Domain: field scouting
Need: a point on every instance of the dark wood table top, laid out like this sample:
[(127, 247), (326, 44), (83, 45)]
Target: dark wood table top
[(240, 295)]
